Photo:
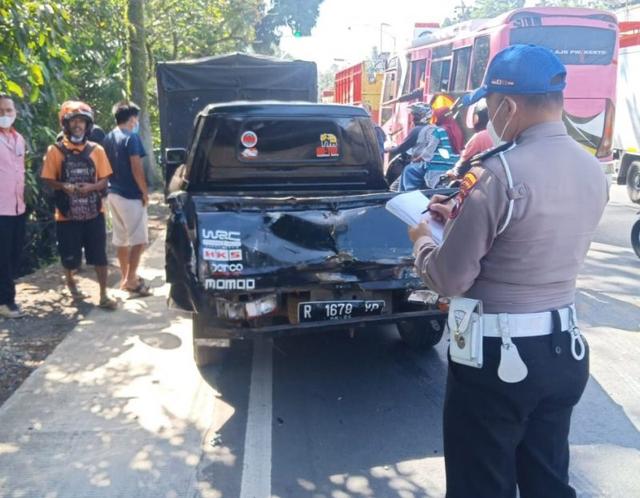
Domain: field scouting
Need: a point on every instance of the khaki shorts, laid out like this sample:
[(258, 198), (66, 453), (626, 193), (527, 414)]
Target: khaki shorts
[(129, 220)]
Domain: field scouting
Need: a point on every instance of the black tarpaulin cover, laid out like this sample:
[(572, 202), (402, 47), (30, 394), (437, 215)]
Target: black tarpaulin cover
[(186, 87)]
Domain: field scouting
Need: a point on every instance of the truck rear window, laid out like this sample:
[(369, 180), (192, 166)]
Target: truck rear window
[(282, 141), (288, 153), (574, 45)]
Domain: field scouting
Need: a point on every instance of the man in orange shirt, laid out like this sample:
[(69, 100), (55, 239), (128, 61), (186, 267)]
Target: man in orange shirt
[(77, 170)]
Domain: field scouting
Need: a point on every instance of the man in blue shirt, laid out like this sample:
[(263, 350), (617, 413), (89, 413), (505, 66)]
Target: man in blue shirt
[(128, 195)]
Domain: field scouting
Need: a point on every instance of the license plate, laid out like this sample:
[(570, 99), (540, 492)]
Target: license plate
[(337, 310)]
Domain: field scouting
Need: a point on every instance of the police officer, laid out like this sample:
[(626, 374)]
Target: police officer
[(516, 237)]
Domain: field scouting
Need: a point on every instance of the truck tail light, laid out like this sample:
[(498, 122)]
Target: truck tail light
[(606, 144)]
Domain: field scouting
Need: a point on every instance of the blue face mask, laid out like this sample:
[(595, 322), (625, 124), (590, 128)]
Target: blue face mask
[(136, 128)]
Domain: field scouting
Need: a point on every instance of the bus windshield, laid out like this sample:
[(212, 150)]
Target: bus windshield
[(574, 45)]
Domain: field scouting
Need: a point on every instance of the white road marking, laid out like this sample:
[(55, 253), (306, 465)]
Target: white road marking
[(256, 468)]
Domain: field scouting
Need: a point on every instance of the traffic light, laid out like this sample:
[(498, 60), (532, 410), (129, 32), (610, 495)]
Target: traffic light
[(296, 33)]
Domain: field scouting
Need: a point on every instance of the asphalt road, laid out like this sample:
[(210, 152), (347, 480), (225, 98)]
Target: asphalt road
[(120, 410)]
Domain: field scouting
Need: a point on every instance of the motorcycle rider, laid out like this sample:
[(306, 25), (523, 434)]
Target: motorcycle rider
[(431, 154), (420, 115)]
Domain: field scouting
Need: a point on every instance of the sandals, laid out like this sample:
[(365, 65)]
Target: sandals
[(107, 303), (76, 294), (140, 290)]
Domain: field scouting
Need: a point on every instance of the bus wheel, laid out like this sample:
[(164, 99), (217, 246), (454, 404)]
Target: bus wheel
[(633, 182)]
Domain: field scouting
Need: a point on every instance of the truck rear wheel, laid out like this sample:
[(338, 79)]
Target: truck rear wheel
[(422, 334), (633, 182)]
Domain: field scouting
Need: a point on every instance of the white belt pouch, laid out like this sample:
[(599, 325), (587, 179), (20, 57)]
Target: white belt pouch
[(465, 331)]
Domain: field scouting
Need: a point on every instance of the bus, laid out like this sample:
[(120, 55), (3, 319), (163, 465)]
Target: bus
[(360, 84), (447, 63)]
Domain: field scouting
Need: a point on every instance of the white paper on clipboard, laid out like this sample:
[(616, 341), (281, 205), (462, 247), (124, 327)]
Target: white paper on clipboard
[(409, 207)]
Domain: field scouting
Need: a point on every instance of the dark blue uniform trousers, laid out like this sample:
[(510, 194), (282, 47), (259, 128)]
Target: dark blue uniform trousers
[(498, 436)]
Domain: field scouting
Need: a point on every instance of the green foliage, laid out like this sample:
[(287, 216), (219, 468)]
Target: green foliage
[(97, 44), (298, 15), (198, 28), (493, 8), (55, 50)]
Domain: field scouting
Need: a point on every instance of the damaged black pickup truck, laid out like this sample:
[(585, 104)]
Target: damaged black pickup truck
[(278, 226)]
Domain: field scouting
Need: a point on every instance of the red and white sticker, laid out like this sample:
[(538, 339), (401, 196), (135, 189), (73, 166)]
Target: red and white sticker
[(249, 139), (210, 254), (235, 254), (250, 153)]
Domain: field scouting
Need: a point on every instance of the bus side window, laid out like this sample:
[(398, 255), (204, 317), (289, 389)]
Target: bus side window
[(439, 81), (460, 73), (389, 91), (480, 60), (406, 84), (388, 94), (418, 70)]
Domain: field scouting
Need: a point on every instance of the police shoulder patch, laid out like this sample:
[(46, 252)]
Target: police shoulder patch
[(468, 182)]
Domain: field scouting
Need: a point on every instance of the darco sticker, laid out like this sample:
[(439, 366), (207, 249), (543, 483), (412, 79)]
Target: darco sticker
[(249, 139)]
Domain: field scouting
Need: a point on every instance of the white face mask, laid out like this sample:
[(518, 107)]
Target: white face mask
[(495, 138), (6, 121)]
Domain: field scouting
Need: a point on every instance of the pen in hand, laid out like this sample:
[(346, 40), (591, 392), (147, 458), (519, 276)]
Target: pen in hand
[(446, 199)]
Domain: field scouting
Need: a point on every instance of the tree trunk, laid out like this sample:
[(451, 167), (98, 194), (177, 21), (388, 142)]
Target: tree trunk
[(138, 83)]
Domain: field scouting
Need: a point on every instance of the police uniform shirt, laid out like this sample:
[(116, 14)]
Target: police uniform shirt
[(560, 192)]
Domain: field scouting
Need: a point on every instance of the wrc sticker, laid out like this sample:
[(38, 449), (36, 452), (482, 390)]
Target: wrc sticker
[(468, 182)]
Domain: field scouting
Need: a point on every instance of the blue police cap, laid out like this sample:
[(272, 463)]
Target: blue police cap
[(521, 70)]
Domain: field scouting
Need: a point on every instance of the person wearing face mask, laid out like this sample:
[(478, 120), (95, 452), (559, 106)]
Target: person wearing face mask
[(128, 195), (515, 238), (77, 170), (12, 207)]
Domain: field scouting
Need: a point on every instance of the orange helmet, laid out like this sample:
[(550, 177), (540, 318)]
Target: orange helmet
[(73, 109)]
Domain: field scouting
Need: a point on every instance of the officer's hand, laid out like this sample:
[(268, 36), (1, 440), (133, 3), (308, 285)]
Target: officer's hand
[(421, 230), (440, 212), (145, 199)]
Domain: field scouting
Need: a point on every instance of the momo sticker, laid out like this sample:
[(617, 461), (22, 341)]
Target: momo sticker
[(328, 146), (230, 284), (249, 139)]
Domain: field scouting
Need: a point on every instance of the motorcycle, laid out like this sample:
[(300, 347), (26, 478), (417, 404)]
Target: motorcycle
[(396, 167), (635, 236), (400, 161)]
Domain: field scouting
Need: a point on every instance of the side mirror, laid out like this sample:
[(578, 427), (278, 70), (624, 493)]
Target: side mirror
[(175, 156)]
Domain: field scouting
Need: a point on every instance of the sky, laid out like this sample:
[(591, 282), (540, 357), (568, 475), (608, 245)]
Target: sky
[(347, 30)]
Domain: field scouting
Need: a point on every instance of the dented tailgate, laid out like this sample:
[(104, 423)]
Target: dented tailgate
[(259, 244)]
